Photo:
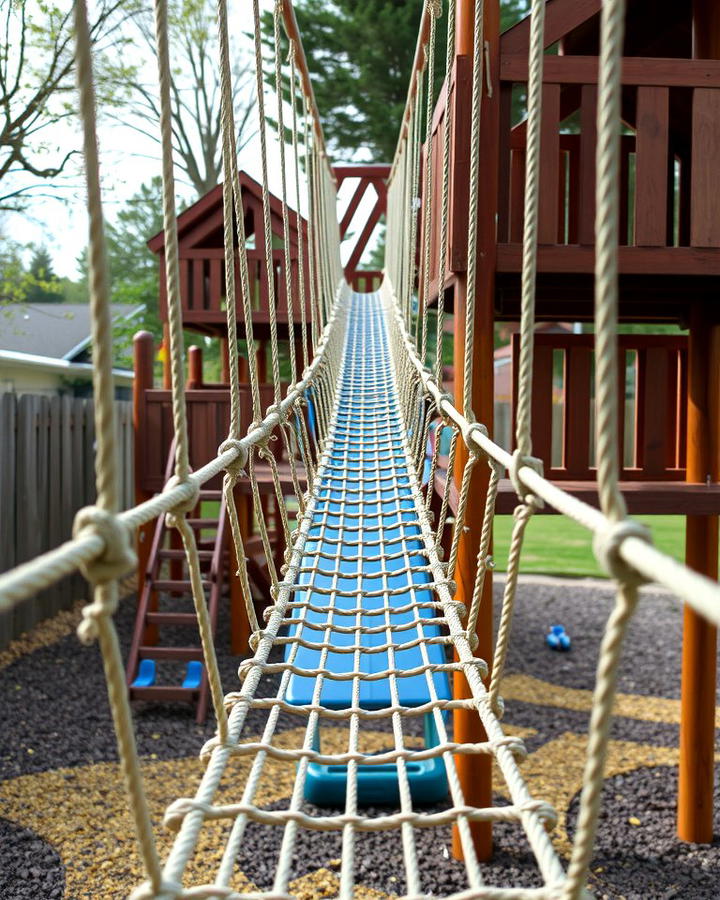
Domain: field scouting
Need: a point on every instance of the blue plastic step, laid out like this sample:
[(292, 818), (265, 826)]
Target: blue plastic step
[(146, 675), (193, 675)]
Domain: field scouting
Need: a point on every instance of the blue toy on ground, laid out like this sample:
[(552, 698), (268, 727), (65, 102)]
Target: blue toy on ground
[(558, 638)]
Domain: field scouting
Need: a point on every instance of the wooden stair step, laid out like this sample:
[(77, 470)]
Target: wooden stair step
[(203, 523), (164, 692), (208, 494), (180, 554), (180, 587), (178, 654), (171, 618)]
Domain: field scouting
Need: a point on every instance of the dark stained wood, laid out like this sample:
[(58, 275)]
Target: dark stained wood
[(705, 222), (588, 147), (549, 164), (577, 372), (699, 664), (561, 16), (644, 498), (639, 260), (651, 166), (635, 71), (460, 164)]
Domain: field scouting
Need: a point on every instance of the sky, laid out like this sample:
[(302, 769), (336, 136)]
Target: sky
[(128, 159)]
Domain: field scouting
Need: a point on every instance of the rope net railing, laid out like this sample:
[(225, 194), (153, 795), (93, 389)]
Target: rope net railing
[(357, 648)]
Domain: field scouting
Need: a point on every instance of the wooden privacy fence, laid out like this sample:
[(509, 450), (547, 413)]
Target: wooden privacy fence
[(46, 475)]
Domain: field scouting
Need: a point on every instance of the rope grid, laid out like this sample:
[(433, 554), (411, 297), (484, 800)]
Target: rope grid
[(363, 623)]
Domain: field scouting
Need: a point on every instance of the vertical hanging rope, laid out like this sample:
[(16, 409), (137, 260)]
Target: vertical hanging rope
[(267, 224), (435, 10), (606, 244), (277, 14), (530, 229), (413, 202), (177, 518), (474, 188), (301, 236), (232, 198), (118, 556), (445, 208)]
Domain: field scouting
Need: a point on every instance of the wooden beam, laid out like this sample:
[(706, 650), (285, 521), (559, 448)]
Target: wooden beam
[(699, 665), (475, 772), (651, 162), (636, 70)]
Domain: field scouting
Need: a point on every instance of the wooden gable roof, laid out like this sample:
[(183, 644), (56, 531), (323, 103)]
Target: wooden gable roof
[(201, 224)]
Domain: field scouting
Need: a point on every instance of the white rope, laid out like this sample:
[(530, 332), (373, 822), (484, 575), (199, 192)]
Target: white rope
[(373, 401)]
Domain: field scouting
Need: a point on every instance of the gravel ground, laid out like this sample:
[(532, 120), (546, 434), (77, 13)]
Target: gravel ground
[(54, 715)]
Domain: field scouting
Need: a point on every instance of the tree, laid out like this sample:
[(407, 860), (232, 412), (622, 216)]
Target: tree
[(43, 285), (360, 56), (37, 88), (195, 93), (134, 270)]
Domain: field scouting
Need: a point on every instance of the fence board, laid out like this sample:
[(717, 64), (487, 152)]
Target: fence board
[(8, 414), (46, 475)]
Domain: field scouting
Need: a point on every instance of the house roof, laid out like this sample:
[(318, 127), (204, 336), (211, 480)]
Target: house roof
[(54, 330)]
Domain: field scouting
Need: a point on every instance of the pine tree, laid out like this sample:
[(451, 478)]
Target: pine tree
[(43, 284)]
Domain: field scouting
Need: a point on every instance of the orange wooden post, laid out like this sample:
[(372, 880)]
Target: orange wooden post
[(195, 368), (475, 771), (224, 361), (167, 374), (699, 663), (697, 719), (143, 364)]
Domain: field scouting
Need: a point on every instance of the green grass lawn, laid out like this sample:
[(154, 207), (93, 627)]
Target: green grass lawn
[(555, 545)]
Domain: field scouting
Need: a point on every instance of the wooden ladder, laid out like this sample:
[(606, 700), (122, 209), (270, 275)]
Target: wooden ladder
[(157, 590)]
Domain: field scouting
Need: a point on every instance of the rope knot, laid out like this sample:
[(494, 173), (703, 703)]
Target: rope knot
[(543, 810), (166, 889), (118, 555), (525, 495), (276, 409), (607, 544), (474, 428), (183, 506), (512, 743), (435, 8), (236, 468), (178, 809)]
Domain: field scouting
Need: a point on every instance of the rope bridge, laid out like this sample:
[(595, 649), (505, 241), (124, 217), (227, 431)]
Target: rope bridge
[(363, 614)]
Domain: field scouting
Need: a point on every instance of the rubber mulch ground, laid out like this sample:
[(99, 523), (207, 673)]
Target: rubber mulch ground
[(64, 832)]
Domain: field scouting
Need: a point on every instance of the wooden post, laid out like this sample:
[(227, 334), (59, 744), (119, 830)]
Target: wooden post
[(167, 372), (239, 624), (224, 361), (699, 664), (475, 771), (195, 368), (143, 363)]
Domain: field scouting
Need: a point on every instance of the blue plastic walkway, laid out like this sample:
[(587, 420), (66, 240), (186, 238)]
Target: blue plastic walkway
[(364, 552)]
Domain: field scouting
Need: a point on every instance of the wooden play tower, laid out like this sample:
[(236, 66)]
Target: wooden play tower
[(669, 265)]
